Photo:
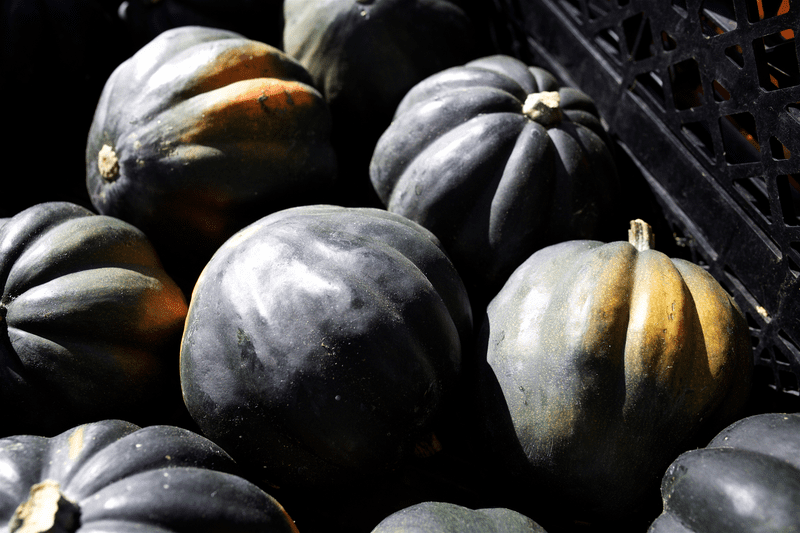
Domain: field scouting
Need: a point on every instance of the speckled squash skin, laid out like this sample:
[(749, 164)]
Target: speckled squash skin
[(114, 476), (605, 362), (201, 132), (466, 158), (746, 479), (321, 341), (444, 517), (90, 322)]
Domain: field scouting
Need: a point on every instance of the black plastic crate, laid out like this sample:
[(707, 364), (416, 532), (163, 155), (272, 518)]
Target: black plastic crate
[(704, 98)]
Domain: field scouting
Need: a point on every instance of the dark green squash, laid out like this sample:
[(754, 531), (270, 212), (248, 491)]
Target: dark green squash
[(321, 342), (364, 55), (116, 477), (90, 322), (603, 362), (443, 517), (201, 132), (497, 159), (746, 479)]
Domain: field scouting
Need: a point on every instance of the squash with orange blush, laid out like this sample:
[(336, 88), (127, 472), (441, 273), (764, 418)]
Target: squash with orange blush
[(604, 362), (201, 132), (90, 323)]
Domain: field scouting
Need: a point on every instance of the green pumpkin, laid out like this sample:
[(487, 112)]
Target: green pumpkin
[(90, 322), (746, 479), (601, 363), (321, 342), (443, 517), (116, 477), (497, 159), (202, 132)]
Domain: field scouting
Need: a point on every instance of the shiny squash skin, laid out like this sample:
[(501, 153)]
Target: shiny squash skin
[(91, 322), (201, 132), (746, 479), (466, 159), (445, 517), (114, 476), (608, 362), (321, 341)]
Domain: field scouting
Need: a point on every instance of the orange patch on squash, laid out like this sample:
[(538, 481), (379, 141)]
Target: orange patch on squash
[(262, 107), (253, 60)]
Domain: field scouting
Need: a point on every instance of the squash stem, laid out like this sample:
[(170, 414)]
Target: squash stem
[(641, 235), (108, 163), (46, 510), (543, 107)]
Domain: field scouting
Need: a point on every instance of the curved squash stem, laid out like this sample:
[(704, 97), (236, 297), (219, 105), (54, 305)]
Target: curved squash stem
[(641, 235)]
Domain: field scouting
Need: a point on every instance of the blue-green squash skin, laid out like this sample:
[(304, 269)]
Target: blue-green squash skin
[(201, 132), (90, 322), (321, 341), (600, 363), (120, 477), (444, 517), (747, 479), (465, 159)]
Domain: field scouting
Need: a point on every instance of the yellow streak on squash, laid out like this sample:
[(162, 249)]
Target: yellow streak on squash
[(76, 443)]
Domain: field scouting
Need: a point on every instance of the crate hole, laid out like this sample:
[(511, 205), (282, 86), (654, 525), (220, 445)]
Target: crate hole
[(754, 192), (765, 9), (788, 382), (650, 83), (755, 331), (778, 149), (608, 41), (740, 139), (789, 198), (680, 7), (638, 37), (776, 61), (717, 17), (779, 356), (668, 42), (763, 373), (736, 54), (687, 88), (698, 134), (721, 94)]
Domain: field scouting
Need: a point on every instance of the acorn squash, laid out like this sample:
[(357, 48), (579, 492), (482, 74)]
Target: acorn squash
[(364, 55), (444, 517), (201, 132), (114, 476), (90, 322), (497, 159), (321, 341), (746, 479), (601, 362)]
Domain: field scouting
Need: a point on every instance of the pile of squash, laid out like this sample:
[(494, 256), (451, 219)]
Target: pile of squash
[(354, 268)]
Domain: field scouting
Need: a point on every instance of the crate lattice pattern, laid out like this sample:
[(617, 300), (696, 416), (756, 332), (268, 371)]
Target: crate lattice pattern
[(722, 77)]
